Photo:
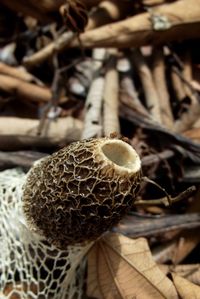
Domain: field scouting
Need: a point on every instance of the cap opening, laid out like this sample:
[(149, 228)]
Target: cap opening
[(122, 154)]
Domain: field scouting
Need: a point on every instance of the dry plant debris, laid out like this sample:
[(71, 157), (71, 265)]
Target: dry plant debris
[(77, 69), (119, 267)]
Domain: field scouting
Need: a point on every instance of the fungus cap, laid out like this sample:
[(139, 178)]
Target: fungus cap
[(81, 191)]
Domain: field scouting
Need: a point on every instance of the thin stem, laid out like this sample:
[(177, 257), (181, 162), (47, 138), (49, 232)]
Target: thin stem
[(168, 200)]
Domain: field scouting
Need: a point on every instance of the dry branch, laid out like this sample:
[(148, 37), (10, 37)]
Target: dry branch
[(151, 96), (159, 77), (52, 48), (18, 132), (177, 85), (108, 11), (187, 72), (129, 93), (19, 158), (18, 72), (24, 90), (181, 21), (93, 104), (138, 225), (111, 97)]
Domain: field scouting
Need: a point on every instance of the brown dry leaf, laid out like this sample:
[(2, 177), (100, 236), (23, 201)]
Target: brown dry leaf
[(190, 272), (185, 288), (120, 267)]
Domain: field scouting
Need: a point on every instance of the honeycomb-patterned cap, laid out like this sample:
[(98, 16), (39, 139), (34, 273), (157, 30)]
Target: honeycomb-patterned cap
[(81, 191)]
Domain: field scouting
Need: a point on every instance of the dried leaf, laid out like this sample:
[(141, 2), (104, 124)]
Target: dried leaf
[(190, 272), (185, 288), (120, 267)]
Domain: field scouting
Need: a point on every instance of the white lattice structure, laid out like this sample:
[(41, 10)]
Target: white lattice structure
[(29, 266)]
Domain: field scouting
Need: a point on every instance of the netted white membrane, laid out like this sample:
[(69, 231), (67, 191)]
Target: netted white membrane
[(29, 266)]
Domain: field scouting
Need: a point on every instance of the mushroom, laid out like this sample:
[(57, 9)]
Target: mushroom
[(81, 191)]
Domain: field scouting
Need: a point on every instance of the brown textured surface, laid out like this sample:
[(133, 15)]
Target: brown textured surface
[(76, 195)]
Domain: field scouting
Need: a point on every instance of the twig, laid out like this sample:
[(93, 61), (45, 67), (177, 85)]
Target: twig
[(54, 47), (93, 105), (177, 86), (151, 96), (129, 94), (19, 133), (179, 20), (158, 71), (24, 90), (19, 158), (108, 11), (111, 97), (154, 158), (19, 73), (137, 225), (165, 200), (187, 73)]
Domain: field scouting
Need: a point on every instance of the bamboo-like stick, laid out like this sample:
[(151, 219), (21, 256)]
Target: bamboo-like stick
[(108, 11), (59, 44), (178, 85), (158, 71), (129, 95), (111, 97), (19, 158), (19, 132), (24, 90), (187, 70), (19, 73), (151, 96), (179, 20), (93, 104)]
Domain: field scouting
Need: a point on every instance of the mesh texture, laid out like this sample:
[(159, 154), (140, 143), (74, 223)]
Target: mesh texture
[(29, 266)]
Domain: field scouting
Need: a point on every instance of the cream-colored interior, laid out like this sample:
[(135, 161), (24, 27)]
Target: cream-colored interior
[(122, 154)]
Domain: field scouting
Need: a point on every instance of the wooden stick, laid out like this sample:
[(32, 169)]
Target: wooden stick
[(128, 91), (158, 71), (151, 96), (177, 85), (93, 105), (19, 73), (111, 97), (129, 95), (187, 70), (24, 90), (165, 200), (19, 132), (19, 158), (179, 20), (52, 48), (108, 11)]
